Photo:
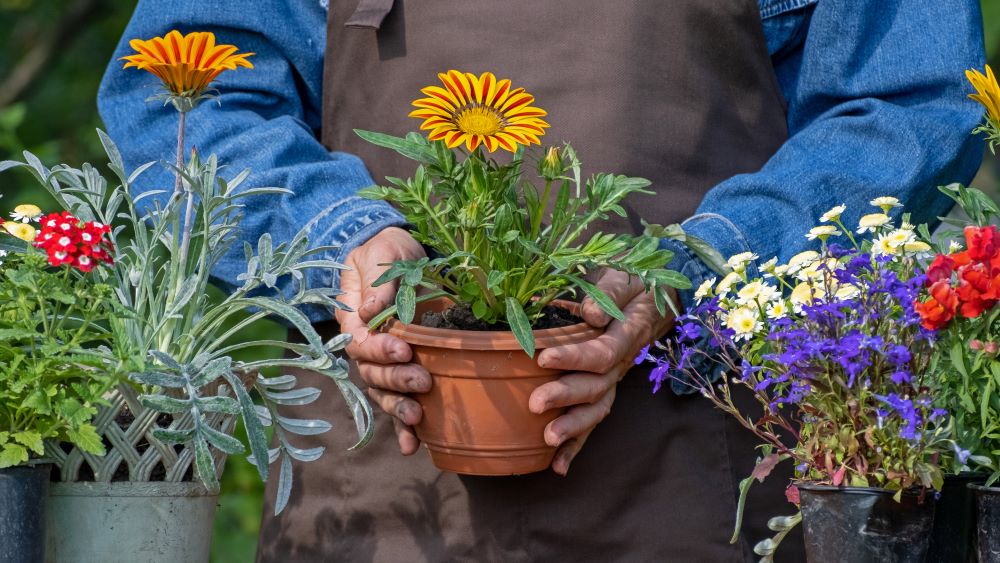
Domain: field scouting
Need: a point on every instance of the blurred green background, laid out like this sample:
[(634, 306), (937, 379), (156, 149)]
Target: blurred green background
[(52, 56)]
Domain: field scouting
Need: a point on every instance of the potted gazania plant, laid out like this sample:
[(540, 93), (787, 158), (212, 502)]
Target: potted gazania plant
[(54, 358), (170, 425), (500, 264), (832, 349), (963, 289)]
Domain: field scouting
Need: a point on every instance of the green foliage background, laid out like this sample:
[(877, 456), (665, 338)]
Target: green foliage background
[(52, 56)]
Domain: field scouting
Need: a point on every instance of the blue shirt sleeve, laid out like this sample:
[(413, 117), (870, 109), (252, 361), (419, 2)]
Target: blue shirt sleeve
[(266, 120), (877, 106)]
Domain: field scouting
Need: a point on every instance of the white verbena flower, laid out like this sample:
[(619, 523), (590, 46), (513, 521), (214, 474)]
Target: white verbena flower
[(822, 232), (744, 322), (871, 222), (833, 214), (705, 289), (26, 213), (885, 203), (739, 262)]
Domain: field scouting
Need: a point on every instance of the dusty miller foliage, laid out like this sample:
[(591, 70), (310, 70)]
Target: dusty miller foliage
[(183, 342)]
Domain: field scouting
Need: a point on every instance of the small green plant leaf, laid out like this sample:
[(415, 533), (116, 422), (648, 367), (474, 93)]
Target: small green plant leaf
[(521, 326)]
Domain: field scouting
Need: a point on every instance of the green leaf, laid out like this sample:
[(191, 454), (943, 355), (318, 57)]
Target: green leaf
[(87, 439), (31, 439), (173, 436), (224, 442), (600, 298), (227, 405), (159, 379), (205, 465), (520, 326), (161, 403), (13, 454), (406, 303), (414, 147), (251, 422), (480, 309)]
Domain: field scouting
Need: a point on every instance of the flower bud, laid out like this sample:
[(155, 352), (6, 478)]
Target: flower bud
[(551, 167), (976, 344), (991, 347)]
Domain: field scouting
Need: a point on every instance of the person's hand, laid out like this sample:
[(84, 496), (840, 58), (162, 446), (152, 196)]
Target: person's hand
[(383, 360), (595, 366)]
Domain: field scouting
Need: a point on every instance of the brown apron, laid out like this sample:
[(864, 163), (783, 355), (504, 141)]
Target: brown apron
[(680, 92)]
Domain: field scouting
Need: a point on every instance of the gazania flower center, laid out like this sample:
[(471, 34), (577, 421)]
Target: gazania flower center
[(478, 120)]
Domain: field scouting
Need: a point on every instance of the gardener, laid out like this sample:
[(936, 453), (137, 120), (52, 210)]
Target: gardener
[(751, 119)]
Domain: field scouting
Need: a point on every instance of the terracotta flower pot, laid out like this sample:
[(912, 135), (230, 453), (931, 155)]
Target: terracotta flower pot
[(476, 419)]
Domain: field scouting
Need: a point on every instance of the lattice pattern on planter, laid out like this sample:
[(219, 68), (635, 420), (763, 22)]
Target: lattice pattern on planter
[(135, 445)]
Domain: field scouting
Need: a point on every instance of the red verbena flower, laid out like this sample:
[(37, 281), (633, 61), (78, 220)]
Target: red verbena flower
[(68, 241)]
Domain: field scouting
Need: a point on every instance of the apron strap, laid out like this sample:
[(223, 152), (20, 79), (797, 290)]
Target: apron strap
[(370, 14)]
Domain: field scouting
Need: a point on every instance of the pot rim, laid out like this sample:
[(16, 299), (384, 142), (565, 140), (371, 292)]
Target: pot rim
[(814, 487), (454, 339), (983, 489)]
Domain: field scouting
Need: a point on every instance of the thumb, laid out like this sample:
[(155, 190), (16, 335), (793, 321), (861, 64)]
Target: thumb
[(620, 287), (374, 300)]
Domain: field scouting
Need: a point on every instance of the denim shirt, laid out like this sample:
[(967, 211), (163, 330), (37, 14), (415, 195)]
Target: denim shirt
[(875, 92)]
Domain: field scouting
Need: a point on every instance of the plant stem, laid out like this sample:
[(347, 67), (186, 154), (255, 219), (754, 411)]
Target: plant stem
[(536, 221), (180, 152)]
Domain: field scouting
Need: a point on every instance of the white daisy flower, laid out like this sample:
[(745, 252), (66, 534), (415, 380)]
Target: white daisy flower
[(756, 293), (885, 203), (801, 260), (833, 214), (26, 213), (705, 289), (883, 246), (847, 291), (739, 262), (871, 222), (777, 310), (780, 270), (769, 265), (818, 269), (3, 254), (727, 283), (919, 249), (954, 246), (805, 294), (822, 232), (899, 237), (744, 322)]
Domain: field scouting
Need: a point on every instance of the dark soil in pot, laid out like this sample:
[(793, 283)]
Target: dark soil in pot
[(23, 496), (460, 317), (865, 525)]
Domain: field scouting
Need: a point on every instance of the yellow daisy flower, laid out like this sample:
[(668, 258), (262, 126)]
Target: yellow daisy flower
[(26, 213), (479, 111), (987, 92), (186, 64), (22, 231)]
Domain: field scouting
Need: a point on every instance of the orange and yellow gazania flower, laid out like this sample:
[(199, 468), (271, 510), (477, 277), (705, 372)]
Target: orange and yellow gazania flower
[(479, 111), (987, 92), (186, 64)]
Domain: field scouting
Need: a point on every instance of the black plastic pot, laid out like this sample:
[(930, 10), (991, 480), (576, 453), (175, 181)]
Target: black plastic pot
[(23, 492), (988, 522), (865, 525), (954, 537)]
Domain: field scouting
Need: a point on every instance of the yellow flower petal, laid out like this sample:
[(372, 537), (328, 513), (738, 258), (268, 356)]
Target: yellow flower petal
[(186, 64), (479, 111)]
